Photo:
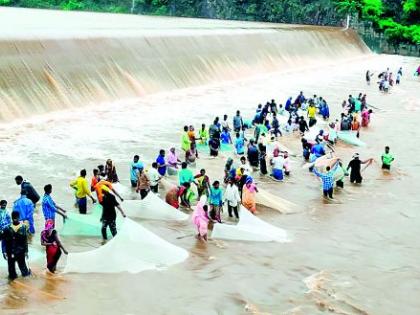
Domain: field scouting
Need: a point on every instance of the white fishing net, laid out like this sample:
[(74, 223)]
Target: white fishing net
[(133, 249), (84, 224), (249, 228), (152, 207), (274, 202)]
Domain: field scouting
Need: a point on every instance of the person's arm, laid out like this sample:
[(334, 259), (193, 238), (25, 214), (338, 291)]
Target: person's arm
[(58, 241), (315, 171), (73, 183), (87, 191), (366, 161), (122, 211)]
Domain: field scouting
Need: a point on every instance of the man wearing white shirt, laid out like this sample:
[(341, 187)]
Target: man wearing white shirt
[(154, 178)]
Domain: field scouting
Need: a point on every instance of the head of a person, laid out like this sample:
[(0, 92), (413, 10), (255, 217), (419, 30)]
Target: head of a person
[(386, 149), (15, 217), (230, 181), (83, 173), (216, 120), (18, 180), (162, 152), (238, 113), (202, 172), (48, 189), (251, 142), (238, 135), (225, 117), (136, 158), (276, 152), (370, 111), (243, 160), (3, 204), (216, 184), (109, 163), (172, 150), (259, 106), (301, 93), (203, 126), (101, 168), (95, 172), (184, 165), (356, 156), (154, 165), (328, 168), (185, 128), (49, 225)]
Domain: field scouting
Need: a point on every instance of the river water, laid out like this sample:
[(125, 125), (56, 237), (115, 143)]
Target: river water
[(358, 255)]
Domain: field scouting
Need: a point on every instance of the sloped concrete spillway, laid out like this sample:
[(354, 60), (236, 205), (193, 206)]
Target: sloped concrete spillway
[(54, 60)]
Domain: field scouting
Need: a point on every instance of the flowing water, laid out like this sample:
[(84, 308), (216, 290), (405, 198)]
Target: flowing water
[(358, 255)]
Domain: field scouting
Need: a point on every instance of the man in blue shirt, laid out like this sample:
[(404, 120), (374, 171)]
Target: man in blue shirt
[(327, 180), (31, 193), (49, 208), (136, 167), (161, 162), (25, 207), (5, 221)]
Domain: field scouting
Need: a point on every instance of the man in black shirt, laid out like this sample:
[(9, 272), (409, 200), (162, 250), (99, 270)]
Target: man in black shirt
[(31, 193), (355, 166), (16, 247), (109, 215)]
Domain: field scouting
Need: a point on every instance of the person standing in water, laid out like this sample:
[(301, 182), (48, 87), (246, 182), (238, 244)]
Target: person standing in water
[(327, 180), (154, 177), (216, 201), (15, 248), (109, 215), (203, 183), (5, 220), (249, 192), (387, 159), (53, 245), (203, 134), (161, 163), (26, 208), (185, 140), (200, 219), (143, 184), (355, 167), (111, 172), (80, 184), (237, 122), (232, 198), (31, 193), (49, 207), (135, 168)]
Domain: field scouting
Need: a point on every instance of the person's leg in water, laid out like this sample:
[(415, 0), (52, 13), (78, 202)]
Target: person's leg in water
[(330, 193), (143, 193), (11, 264), (24, 270), (103, 230), (325, 193), (235, 210), (230, 211), (340, 183), (82, 203), (113, 228)]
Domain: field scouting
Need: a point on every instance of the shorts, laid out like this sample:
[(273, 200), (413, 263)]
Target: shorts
[(133, 183), (277, 174), (386, 167)]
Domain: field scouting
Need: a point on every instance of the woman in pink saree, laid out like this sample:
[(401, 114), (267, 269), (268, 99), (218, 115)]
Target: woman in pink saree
[(200, 218)]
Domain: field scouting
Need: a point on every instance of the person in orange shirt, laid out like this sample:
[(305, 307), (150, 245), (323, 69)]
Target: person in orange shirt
[(95, 179), (105, 185), (355, 125)]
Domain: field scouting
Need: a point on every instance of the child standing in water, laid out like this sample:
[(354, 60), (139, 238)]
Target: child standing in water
[(387, 159)]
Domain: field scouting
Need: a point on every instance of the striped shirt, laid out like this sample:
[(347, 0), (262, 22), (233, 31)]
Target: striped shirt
[(327, 178)]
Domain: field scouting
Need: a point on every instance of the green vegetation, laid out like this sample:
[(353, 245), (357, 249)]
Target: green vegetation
[(397, 20)]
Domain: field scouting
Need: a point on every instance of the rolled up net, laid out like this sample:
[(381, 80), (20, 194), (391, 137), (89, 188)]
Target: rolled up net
[(274, 202)]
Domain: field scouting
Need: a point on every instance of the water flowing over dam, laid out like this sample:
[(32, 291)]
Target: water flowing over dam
[(58, 60)]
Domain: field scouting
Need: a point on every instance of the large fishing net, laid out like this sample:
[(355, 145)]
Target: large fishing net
[(133, 249), (152, 207), (350, 137), (83, 224), (249, 228)]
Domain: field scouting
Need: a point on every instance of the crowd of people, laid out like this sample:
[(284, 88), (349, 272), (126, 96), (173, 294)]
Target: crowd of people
[(256, 149)]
